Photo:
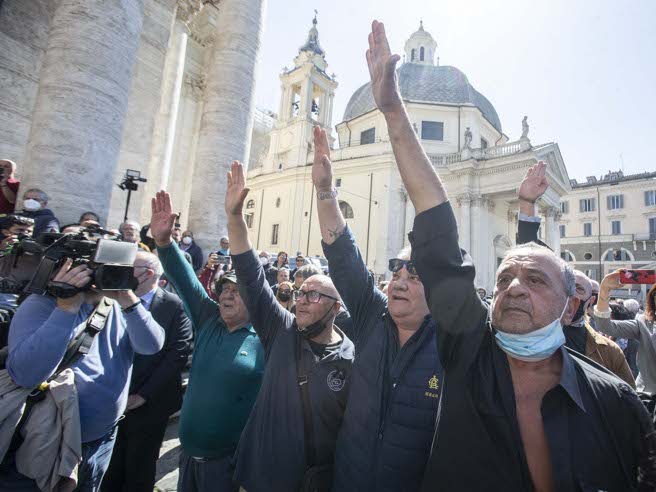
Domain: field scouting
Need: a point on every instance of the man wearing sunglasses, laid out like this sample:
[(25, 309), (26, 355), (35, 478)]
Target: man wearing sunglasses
[(293, 427), (397, 376)]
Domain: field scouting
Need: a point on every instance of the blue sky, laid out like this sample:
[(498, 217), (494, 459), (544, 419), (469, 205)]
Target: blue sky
[(584, 72)]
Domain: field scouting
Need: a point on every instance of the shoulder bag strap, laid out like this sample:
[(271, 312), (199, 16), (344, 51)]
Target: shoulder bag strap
[(303, 386)]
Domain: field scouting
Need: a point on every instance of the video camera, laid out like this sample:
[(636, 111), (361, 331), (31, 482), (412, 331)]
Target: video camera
[(110, 260)]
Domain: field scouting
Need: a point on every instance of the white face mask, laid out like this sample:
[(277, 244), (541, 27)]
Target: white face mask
[(187, 240), (264, 260), (31, 205)]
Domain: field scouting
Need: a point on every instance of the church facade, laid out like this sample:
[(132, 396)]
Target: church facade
[(460, 131)]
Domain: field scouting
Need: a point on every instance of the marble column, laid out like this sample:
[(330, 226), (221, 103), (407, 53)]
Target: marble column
[(549, 227), (227, 120), (80, 110), (464, 201)]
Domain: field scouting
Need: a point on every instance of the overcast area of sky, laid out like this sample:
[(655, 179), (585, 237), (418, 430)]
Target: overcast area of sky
[(584, 72)]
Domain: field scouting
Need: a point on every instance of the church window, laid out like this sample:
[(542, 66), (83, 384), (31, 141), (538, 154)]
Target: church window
[(368, 136), (249, 220), (564, 207), (338, 182), (587, 257), (483, 143), (412, 55), (432, 130), (617, 255), (421, 54), (347, 210), (274, 234), (562, 230), (278, 202), (250, 204), (615, 202), (587, 205), (616, 227)]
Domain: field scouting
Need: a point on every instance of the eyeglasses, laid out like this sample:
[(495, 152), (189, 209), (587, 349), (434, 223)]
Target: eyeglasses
[(395, 264), (312, 296)]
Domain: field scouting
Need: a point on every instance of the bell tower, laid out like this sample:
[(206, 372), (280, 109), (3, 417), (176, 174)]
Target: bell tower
[(420, 47), (307, 93)]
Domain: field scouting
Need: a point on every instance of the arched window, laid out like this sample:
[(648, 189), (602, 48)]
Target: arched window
[(250, 204), (567, 255), (347, 210), (412, 55), (421, 54), (619, 254)]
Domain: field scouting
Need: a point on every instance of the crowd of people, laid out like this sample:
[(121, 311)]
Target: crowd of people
[(304, 381)]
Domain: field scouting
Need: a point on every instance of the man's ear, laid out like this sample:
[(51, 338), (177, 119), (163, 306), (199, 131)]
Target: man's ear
[(572, 306)]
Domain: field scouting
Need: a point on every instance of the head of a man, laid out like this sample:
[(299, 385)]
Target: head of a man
[(583, 295), (406, 298), (264, 257), (225, 243), (231, 306), (300, 261), (130, 231), (283, 275), (176, 235), (187, 238), (482, 293), (147, 270), (533, 288), (317, 302), (89, 218), (304, 273), (16, 225), (632, 306), (7, 168), (34, 199)]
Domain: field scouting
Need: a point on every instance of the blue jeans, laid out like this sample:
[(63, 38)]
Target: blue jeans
[(95, 460)]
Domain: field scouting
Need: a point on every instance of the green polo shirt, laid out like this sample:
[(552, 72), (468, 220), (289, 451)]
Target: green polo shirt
[(226, 371)]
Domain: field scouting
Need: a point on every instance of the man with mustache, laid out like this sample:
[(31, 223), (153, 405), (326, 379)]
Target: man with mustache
[(518, 411)]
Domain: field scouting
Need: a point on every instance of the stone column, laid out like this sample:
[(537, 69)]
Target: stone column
[(464, 201), (78, 117), (549, 227), (409, 218), (227, 120)]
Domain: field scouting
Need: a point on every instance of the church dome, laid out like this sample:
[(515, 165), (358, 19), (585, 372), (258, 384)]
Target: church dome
[(427, 83)]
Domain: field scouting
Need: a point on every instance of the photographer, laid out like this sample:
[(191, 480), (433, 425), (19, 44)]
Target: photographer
[(14, 226), (40, 334), (8, 186)]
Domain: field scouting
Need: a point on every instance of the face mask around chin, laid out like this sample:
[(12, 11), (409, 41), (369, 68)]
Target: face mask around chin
[(31, 205), (534, 346), (315, 328)]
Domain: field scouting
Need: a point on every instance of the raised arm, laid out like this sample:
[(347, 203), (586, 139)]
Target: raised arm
[(178, 270), (347, 269), (266, 313), (603, 323), (530, 190), (424, 186)]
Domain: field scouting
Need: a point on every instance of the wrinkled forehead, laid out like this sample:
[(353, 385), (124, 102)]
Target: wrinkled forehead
[(320, 283), (535, 261)]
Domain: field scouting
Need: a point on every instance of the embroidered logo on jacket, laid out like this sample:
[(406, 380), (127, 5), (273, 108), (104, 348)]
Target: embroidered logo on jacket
[(433, 384), (336, 380)]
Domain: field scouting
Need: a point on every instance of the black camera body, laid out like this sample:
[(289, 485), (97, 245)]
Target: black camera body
[(111, 262)]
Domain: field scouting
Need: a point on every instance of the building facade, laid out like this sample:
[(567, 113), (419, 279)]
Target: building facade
[(610, 223), (162, 87), (460, 131)]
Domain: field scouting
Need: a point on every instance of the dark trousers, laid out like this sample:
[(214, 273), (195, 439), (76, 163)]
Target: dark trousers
[(136, 451), (206, 475), (95, 458)]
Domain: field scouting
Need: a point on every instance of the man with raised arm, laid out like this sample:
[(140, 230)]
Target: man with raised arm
[(226, 371), (390, 418), (292, 431), (518, 411)]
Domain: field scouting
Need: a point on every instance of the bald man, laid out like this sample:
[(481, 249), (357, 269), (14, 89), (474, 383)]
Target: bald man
[(293, 426)]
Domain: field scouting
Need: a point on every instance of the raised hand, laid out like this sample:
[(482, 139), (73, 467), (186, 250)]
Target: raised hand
[(162, 219), (534, 184), (382, 68), (322, 175), (236, 192)]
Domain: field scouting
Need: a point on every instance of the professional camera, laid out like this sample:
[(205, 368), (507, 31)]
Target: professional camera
[(110, 260)]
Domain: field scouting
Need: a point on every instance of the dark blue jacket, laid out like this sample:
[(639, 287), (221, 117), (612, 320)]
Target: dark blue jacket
[(44, 221), (386, 435)]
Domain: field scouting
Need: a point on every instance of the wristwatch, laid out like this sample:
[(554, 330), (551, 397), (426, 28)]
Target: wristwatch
[(327, 195)]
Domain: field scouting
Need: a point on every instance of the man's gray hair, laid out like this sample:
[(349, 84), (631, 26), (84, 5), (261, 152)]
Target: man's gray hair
[(133, 223), (307, 271), (569, 280), (632, 306), (40, 193), (151, 261)]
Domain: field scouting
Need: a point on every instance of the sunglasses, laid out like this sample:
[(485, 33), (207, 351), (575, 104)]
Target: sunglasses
[(395, 264), (311, 295)]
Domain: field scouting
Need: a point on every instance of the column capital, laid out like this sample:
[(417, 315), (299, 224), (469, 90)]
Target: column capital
[(464, 199), (195, 86), (187, 10)]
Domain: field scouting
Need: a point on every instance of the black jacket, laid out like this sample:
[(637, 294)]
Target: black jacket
[(157, 377), (44, 221)]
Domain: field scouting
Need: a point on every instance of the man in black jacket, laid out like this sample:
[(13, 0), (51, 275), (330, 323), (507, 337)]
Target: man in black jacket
[(155, 388), (518, 411)]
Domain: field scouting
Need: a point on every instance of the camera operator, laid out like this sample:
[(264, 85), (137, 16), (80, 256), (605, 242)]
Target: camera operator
[(40, 334), (8, 186), (14, 226)]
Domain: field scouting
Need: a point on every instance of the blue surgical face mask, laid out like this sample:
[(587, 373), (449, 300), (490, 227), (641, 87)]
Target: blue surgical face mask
[(536, 345)]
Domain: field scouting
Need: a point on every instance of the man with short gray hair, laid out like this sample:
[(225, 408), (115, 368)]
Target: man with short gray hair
[(35, 206), (518, 411), (130, 230)]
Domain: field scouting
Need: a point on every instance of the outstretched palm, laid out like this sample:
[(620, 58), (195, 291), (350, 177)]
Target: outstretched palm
[(322, 175), (237, 191), (162, 218), (535, 183), (382, 68)]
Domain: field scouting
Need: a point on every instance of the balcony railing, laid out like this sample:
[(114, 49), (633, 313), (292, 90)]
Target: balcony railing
[(443, 160), (648, 236)]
